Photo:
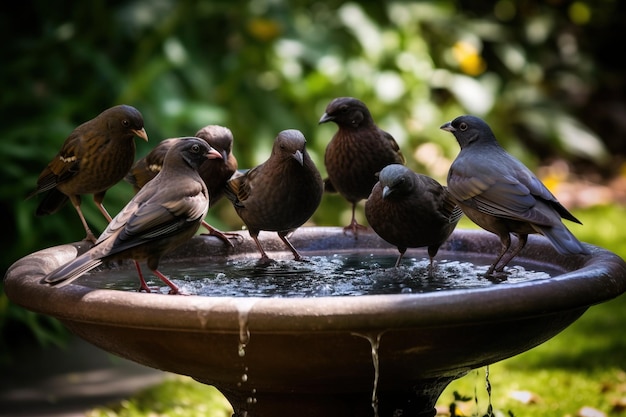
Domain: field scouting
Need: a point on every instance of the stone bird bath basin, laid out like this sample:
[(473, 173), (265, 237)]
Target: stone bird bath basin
[(385, 355)]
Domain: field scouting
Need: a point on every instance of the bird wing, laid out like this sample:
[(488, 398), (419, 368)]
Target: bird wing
[(64, 165), (153, 218), (394, 145), (497, 194), (238, 188)]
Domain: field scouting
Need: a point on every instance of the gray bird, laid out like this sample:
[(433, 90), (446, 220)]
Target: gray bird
[(411, 210), (166, 212), (357, 151), (501, 195), (280, 194)]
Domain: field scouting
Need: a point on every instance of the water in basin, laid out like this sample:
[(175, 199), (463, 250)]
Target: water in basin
[(340, 274)]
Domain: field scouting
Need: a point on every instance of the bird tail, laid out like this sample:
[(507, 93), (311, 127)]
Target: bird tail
[(52, 201), (562, 239), (72, 270)]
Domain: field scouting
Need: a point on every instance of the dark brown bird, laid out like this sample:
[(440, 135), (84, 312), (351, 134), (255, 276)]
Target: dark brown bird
[(215, 173), (501, 195), (281, 194), (358, 150), (95, 156), (166, 212), (411, 210)]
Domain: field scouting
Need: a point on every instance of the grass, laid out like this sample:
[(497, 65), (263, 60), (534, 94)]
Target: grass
[(583, 366)]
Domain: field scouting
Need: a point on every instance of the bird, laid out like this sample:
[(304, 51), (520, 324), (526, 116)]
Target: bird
[(215, 173), (357, 151), (280, 194), (411, 210), (93, 158), (503, 196), (165, 213)]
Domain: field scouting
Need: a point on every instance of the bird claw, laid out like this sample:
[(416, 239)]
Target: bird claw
[(497, 276), (225, 237), (354, 228), (147, 289)]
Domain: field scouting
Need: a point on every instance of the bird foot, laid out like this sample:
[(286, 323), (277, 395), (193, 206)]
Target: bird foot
[(176, 291), (145, 288), (90, 237), (265, 261), (354, 228), (225, 236), (496, 276)]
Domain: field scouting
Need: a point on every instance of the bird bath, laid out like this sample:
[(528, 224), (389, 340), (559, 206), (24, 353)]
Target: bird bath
[(331, 355)]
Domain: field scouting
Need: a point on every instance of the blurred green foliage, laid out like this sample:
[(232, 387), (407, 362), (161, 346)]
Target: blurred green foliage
[(545, 75)]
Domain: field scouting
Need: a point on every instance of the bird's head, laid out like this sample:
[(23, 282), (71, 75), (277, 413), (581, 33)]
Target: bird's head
[(194, 151), (219, 137), (469, 129), (395, 179), (126, 118), (347, 112), (290, 143)]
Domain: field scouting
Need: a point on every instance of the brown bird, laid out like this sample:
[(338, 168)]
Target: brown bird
[(166, 212), (411, 210), (358, 150), (501, 195), (215, 173), (281, 194), (95, 156)]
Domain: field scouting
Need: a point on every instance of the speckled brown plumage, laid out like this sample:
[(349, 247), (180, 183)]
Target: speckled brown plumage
[(280, 194), (411, 210), (356, 153), (215, 173), (95, 156), (166, 212)]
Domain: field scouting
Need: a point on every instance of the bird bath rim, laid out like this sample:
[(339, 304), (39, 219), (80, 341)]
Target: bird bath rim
[(309, 356), (549, 295)]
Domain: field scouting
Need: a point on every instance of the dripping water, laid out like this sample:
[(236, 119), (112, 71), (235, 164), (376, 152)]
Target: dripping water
[(375, 345), (244, 306)]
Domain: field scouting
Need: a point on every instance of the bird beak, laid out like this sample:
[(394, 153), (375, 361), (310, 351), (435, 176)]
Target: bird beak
[(448, 127), (297, 155), (224, 156), (325, 118), (213, 154), (386, 191), (141, 133)]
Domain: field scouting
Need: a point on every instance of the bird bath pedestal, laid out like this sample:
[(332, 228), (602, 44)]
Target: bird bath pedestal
[(327, 356)]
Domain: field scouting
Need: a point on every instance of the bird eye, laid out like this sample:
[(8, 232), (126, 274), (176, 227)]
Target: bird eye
[(463, 126), (195, 148), (125, 123)]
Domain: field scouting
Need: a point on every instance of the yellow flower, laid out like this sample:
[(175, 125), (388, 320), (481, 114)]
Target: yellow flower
[(468, 58), (263, 29)]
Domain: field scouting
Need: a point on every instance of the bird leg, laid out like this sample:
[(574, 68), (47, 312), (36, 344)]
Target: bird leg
[(505, 240), (402, 251), (264, 258), (296, 254), (76, 203), (522, 239), (143, 285), (97, 198), (354, 226), (219, 234), (173, 288)]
